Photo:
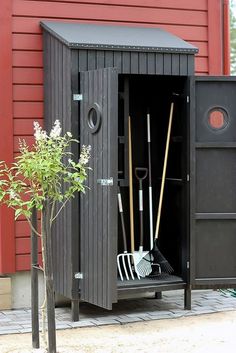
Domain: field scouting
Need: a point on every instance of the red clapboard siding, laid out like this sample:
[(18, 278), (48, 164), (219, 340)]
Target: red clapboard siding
[(22, 229), (182, 4), (28, 139), (111, 12), (201, 64), (7, 244), (25, 126), (28, 93), (27, 59), (202, 47), (31, 25), (23, 245), (23, 262), (28, 109), (27, 41), (28, 75)]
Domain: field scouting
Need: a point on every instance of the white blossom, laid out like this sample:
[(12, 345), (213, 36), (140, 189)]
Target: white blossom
[(39, 133), (85, 154), (56, 130)]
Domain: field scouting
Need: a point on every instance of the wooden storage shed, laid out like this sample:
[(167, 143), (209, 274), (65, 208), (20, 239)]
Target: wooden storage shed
[(95, 78), (204, 24)]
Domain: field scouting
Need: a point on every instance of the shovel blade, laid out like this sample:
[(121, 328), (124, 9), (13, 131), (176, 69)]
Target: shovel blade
[(142, 265)]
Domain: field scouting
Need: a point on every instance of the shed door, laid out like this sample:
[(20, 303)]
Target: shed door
[(99, 128), (213, 182)]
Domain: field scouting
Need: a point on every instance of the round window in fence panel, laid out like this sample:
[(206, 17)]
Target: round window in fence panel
[(217, 119), (94, 118)]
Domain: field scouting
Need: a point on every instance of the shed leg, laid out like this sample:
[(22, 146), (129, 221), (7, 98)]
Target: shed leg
[(187, 297), (75, 309), (158, 295)]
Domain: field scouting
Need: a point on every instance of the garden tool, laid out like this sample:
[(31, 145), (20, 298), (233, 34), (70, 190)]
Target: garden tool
[(131, 207), (150, 180), (143, 267), (160, 264), (125, 259)]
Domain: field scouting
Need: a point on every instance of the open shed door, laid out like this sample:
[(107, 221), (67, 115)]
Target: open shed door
[(213, 182), (98, 207)]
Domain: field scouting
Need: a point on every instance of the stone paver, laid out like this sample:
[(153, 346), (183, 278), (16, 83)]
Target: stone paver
[(125, 311)]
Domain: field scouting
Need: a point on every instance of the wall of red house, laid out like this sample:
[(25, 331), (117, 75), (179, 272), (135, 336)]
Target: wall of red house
[(198, 22)]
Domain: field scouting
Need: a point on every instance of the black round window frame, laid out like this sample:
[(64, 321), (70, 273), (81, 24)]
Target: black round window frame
[(226, 119), (93, 128)]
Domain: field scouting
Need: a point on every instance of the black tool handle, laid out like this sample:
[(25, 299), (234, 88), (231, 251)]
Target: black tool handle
[(120, 205), (141, 174)]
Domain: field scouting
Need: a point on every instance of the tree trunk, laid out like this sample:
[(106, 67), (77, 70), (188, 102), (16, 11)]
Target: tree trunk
[(34, 282), (48, 273)]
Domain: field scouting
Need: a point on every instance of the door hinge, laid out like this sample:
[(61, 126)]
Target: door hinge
[(188, 99), (79, 275), (77, 97), (188, 177), (105, 182), (188, 265)]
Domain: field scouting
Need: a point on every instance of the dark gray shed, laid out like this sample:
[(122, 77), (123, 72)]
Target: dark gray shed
[(95, 77)]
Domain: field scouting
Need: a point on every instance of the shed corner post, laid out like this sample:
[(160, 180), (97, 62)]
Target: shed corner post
[(215, 37), (226, 38), (75, 310), (188, 297), (7, 236)]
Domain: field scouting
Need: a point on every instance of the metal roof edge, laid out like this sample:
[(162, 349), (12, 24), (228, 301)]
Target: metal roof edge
[(131, 48), (55, 34), (92, 46)]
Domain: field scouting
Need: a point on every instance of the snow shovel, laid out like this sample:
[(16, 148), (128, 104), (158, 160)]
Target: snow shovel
[(124, 260), (143, 267)]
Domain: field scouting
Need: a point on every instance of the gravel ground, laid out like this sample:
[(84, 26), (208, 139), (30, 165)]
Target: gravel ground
[(199, 334)]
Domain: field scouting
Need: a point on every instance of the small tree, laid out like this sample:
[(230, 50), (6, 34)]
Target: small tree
[(44, 177)]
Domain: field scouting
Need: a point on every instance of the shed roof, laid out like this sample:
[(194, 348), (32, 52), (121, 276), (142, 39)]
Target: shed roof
[(109, 37)]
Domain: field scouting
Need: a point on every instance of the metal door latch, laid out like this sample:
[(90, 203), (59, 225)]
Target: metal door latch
[(77, 97), (105, 182), (79, 275)]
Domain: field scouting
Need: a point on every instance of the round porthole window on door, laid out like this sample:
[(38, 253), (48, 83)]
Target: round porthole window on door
[(217, 119), (94, 118)]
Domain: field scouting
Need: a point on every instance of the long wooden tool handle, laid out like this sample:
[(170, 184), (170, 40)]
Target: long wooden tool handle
[(131, 206), (164, 171)]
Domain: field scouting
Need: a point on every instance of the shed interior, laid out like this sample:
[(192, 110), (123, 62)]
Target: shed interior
[(138, 95)]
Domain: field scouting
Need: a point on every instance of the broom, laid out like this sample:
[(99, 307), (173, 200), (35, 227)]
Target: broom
[(159, 262)]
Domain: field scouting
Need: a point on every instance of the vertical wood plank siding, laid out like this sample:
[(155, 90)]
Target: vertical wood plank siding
[(137, 63), (99, 204), (184, 18), (58, 106)]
